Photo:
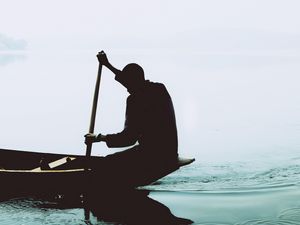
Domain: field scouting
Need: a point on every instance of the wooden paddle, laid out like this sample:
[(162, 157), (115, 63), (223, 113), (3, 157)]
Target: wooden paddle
[(92, 126), (94, 109)]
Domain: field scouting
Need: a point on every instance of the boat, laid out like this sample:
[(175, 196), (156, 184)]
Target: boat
[(25, 172)]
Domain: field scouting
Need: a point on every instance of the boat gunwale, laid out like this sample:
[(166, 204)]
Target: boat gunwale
[(44, 171)]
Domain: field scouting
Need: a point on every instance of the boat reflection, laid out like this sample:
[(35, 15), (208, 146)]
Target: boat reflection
[(119, 207), (132, 207)]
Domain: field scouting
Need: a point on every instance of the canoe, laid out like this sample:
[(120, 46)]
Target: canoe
[(23, 172)]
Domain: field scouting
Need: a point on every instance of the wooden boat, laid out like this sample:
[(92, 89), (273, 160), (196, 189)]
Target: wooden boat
[(23, 172)]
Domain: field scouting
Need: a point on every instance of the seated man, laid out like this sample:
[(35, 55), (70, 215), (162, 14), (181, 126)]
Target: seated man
[(150, 121)]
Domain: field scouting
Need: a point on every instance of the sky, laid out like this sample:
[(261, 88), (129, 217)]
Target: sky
[(231, 67)]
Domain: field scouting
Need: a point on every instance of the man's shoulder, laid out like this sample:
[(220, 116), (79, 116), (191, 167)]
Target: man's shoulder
[(155, 85)]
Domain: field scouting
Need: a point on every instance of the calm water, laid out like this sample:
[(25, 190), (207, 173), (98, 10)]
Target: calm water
[(197, 179), (29, 211), (233, 176)]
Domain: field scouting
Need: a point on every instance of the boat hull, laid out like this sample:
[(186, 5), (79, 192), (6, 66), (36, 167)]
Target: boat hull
[(22, 172)]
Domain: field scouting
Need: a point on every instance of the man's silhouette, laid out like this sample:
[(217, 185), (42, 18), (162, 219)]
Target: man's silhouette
[(150, 121)]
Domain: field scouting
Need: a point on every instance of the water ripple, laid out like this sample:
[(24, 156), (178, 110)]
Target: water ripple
[(268, 222), (232, 176), (291, 214), (29, 211)]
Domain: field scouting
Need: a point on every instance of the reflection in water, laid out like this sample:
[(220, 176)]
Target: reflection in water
[(119, 207), (134, 207)]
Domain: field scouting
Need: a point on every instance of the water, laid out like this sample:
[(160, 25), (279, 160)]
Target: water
[(25, 211), (197, 182), (232, 176), (249, 192)]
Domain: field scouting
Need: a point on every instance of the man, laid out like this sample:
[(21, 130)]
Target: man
[(150, 121)]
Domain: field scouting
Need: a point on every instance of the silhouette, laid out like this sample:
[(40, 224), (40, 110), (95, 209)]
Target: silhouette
[(134, 207), (150, 121), (128, 207)]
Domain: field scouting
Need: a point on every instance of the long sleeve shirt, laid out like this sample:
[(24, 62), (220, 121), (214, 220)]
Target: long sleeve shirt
[(150, 120)]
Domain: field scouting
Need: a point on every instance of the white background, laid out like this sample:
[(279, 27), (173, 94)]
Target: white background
[(231, 67)]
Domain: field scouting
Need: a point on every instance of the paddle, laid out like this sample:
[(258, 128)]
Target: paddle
[(94, 108), (92, 126)]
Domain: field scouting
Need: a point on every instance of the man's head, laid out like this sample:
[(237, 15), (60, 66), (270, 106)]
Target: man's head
[(133, 77)]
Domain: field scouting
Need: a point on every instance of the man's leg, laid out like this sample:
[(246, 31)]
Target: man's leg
[(123, 168)]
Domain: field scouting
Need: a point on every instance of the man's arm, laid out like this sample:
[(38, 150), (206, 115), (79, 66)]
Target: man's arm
[(128, 136), (122, 139), (102, 58)]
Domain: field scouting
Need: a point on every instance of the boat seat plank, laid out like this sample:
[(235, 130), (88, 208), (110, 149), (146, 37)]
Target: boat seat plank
[(56, 163)]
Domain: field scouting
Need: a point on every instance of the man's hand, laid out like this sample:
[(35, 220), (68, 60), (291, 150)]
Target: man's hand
[(91, 138), (102, 58)]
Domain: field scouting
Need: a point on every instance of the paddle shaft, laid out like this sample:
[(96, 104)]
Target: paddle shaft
[(94, 109)]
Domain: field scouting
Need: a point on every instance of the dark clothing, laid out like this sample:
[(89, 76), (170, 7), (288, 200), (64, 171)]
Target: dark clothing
[(150, 120)]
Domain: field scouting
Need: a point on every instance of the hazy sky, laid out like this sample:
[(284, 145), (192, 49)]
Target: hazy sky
[(232, 68)]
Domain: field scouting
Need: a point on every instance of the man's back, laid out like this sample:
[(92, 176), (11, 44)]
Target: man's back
[(154, 115)]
